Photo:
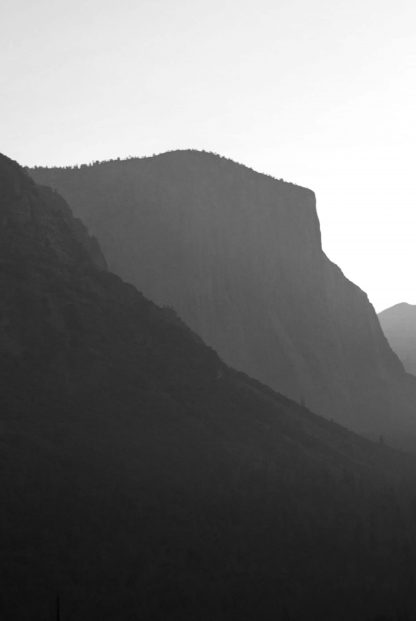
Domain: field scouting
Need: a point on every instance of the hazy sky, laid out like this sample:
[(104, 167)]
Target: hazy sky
[(319, 92)]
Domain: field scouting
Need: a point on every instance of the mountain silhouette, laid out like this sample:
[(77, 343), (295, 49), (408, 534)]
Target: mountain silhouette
[(238, 256), (399, 326), (141, 477)]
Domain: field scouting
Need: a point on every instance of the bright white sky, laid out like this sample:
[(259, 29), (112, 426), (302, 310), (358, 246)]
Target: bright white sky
[(319, 92)]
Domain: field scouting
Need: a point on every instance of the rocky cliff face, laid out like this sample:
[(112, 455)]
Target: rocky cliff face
[(238, 255), (399, 326)]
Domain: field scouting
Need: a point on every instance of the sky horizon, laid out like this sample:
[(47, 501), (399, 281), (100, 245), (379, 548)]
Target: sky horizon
[(319, 93)]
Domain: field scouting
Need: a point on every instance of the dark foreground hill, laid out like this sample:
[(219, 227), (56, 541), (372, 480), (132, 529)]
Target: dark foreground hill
[(399, 326), (238, 255), (141, 478)]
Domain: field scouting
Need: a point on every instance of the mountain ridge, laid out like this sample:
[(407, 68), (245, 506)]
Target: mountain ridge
[(161, 154)]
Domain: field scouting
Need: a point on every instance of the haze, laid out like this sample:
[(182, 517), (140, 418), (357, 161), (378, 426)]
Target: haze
[(319, 93)]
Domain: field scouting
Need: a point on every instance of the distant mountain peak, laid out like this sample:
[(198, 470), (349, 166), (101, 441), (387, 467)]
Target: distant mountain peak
[(399, 325), (399, 305)]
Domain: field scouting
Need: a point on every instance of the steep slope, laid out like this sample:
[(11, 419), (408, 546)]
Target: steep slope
[(142, 478), (399, 326), (238, 255)]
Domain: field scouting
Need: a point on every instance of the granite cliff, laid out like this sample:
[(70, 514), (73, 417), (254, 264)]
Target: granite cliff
[(238, 255)]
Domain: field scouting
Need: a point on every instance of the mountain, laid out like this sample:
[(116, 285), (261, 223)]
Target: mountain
[(238, 256), (141, 477), (399, 326)]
